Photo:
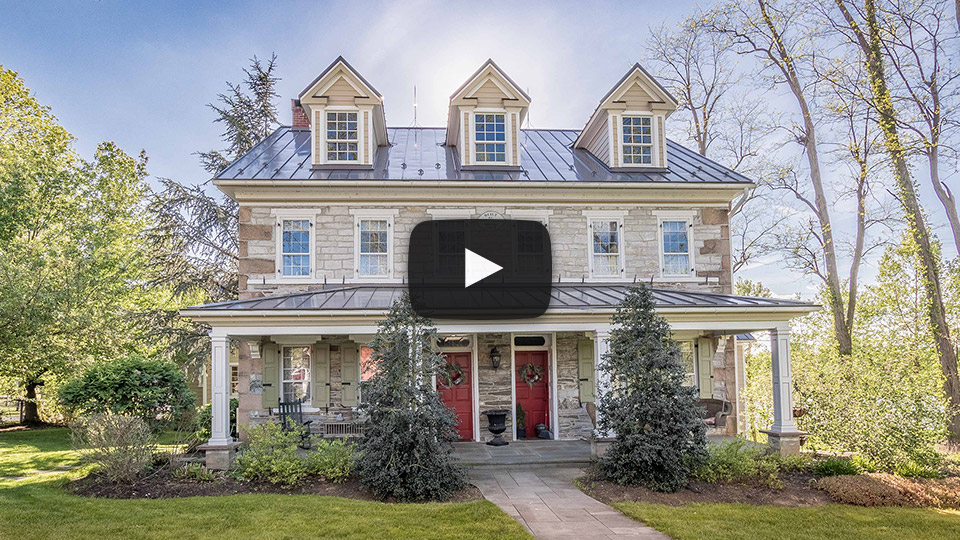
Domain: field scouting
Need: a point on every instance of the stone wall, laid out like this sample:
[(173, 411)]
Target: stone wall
[(495, 391), (574, 422), (334, 245)]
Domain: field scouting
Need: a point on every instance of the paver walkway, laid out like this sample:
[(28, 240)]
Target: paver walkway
[(549, 506)]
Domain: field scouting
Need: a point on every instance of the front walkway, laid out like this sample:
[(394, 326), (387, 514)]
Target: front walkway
[(549, 506)]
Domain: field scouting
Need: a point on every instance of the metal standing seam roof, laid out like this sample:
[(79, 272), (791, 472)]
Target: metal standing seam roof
[(417, 153), (562, 296)]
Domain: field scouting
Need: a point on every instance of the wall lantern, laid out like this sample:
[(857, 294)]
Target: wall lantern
[(495, 358)]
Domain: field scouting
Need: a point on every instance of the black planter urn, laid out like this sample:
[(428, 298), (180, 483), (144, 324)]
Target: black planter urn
[(498, 424)]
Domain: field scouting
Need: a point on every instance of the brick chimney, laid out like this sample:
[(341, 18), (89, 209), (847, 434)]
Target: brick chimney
[(300, 118)]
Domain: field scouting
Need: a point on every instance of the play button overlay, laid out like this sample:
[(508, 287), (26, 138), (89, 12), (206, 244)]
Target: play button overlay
[(479, 269)]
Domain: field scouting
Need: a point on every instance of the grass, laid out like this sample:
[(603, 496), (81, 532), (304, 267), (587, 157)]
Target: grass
[(37, 507), (833, 522)]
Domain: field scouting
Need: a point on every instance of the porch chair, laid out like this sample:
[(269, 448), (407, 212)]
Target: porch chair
[(716, 412), (291, 416)]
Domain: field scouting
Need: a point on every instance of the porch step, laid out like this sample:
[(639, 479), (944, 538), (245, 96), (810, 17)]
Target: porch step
[(526, 465), (523, 455)]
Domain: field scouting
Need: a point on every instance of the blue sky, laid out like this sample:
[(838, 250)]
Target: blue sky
[(140, 74)]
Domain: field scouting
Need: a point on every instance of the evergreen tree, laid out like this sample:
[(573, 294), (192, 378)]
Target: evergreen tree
[(194, 242), (406, 449), (660, 436)]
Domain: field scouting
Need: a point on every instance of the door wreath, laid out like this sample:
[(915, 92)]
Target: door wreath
[(451, 375), (531, 374)]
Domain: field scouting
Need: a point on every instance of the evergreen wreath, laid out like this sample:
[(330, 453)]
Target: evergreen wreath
[(531, 374), (452, 375)]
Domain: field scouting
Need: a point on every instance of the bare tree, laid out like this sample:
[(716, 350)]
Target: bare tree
[(700, 69), (862, 25), (917, 43), (776, 35)]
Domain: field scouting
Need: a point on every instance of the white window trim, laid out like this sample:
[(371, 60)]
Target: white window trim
[(654, 134), (451, 213), (531, 214), (321, 131), (508, 136), (608, 215), (388, 215), (696, 361), (309, 403), (294, 214), (677, 215)]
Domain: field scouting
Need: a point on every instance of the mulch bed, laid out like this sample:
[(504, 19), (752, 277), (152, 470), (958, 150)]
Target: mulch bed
[(163, 485), (798, 490)]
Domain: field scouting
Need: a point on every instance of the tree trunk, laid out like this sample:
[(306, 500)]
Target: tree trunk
[(841, 329), (870, 44), (944, 194), (31, 414)]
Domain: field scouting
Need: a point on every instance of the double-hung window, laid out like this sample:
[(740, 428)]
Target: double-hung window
[(491, 138), (295, 378), (343, 140), (295, 247), (637, 140), (373, 249), (675, 242), (606, 247), (688, 358)]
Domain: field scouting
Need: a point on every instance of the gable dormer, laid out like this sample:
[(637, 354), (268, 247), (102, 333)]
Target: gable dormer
[(347, 122), (484, 120), (626, 131)]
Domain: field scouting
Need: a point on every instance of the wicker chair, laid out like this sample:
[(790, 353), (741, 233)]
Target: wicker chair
[(716, 412)]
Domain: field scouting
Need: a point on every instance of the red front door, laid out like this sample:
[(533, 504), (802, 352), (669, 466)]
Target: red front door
[(459, 396), (534, 399)]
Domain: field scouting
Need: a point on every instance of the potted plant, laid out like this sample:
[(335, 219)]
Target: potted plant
[(521, 423)]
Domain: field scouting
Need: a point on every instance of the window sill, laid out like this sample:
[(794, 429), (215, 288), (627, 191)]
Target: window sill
[(686, 279)]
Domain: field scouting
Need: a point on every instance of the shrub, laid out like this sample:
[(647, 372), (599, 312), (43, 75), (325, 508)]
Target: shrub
[(880, 489), (194, 471), (739, 462), (406, 449), (330, 459), (835, 466), (271, 455), (120, 446), (912, 469), (203, 416), (153, 390), (660, 436)]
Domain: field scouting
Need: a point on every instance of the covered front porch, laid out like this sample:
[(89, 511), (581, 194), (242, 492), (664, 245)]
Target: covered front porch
[(322, 336)]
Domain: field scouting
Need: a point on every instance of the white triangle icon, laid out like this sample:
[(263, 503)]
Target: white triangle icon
[(477, 268)]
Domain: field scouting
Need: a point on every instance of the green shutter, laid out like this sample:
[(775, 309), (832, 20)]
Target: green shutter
[(321, 375), (587, 371), (705, 366), (349, 375), (271, 375)]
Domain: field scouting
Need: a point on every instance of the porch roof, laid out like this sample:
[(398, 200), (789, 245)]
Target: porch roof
[(564, 296)]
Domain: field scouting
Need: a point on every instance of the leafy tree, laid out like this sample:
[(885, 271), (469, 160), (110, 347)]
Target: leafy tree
[(151, 389), (194, 241), (660, 435), (408, 436), (71, 258), (886, 401)]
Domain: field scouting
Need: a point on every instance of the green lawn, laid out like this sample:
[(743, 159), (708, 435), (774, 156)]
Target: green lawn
[(36, 507), (833, 522)]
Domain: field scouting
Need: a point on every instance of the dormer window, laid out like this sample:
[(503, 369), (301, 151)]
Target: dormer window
[(342, 139), (637, 139), (491, 137)]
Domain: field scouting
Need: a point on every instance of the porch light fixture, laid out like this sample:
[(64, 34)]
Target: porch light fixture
[(495, 358)]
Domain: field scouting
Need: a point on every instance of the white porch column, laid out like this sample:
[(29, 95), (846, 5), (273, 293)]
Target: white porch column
[(220, 402), (783, 434), (601, 346)]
